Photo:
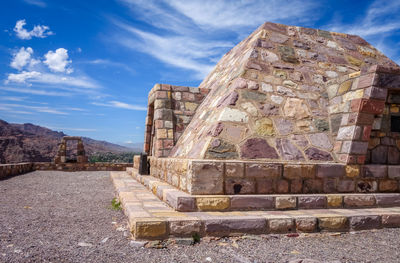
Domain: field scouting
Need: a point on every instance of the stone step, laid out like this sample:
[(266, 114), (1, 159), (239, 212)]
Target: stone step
[(184, 202), (150, 218)]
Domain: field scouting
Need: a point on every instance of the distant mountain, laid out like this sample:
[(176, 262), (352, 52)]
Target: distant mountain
[(31, 143)]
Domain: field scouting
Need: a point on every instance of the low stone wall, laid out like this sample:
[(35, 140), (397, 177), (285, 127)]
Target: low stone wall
[(72, 167), (212, 177), (7, 170)]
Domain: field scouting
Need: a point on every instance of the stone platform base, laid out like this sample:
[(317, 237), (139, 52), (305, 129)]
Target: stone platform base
[(151, 218), (184, 202)]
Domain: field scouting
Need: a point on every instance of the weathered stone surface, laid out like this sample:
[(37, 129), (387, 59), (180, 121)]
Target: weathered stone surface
[(206, 178), (250, 108), (209, 203), (263, 170), (394, 171), (299, 140), (352, 171), (330, 170), (346, 186), (230, 226), (379, 154), (333, 223), (184, 227), (366, 186), (284, 126), (288, 151), (150, 229), (391, 220), (296, 108), (239, 186), (321, 125), (234, 115), (334, 201), (257, 148), (385, 200), (280, 225), (296, 171), (285, 202), (306, 224), (288, 54), (252, 202), (312, 186), (315, 154), (359, 200), (321, 140), (311, 202), (234, 169), (268, 109), (220, 149), (374, 171), (264, 127), (229, 99), (365, 222), (388, 185), (253, 95)]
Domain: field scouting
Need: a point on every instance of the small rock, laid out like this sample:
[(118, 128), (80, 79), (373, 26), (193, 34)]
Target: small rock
[(17, 251), (208, 259), (84, 244), (104, 240), (137, 244), (184, 241), (120, 228)]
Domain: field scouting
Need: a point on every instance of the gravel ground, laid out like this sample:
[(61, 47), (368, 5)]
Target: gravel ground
[(66, 217)]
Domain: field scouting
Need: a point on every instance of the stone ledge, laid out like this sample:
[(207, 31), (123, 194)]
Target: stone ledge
[(150, 218), (183, 202)]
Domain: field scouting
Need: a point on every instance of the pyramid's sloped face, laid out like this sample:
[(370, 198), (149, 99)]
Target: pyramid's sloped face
[(269, 97)]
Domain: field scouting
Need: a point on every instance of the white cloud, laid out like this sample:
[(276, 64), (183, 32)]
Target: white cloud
[(36, 3), (39, 31), (121, 105), (71, 129), (23, 76), (106, 62), (191, 35), (58, 61), (36, 91), (22, 58)]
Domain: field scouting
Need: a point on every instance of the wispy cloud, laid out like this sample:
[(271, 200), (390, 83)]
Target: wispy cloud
[(40, 109), (71, 129), (121, 105), (39, 31), (11, 98), (36, 91), (191, 34), (38, 3), (106, 62)]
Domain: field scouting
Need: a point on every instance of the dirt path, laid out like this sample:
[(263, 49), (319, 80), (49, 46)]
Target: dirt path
[(66, 217)]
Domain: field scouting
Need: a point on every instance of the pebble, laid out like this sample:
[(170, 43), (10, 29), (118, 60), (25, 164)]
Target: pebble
[(84, 244), (137, 244)]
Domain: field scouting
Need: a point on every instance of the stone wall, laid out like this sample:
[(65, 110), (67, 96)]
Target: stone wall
[(170, 109), (213, 177), (274, 97), (7, 170), (73, 167)]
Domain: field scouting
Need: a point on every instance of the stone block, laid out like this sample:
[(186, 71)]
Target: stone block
[(312, 186), (222, 227), (365, 222), (330, 170), (352, 171), (359, 201), (265, 186), (391, 220), (149, 229), (210, 203), (252, 202), (184, 227), (206, 178), (346, 186), (306, 224), (282, 187), (261, 170), (394, 171), (311, 202), (337, 223), (387, 200), (367, 186), (239, 186), (334, 201), (281, 225), (388, 185), (298, 171), (234, 169), (374, 171), (296, 186), (285, 202), (329, 185)]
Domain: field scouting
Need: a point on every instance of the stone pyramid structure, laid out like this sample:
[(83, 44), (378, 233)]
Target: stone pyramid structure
[(287, 110)]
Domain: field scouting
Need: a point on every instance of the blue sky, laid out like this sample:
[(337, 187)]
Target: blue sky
[(86, 67)]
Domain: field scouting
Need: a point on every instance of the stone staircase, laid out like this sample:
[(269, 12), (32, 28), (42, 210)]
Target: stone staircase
[(157, 210)]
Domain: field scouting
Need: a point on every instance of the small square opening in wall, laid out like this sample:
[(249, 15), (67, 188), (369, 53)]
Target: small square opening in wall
[(395, 123)]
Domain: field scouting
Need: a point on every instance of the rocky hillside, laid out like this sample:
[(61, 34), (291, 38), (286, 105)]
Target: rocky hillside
[(32, 143)]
